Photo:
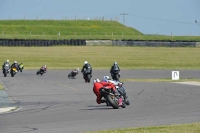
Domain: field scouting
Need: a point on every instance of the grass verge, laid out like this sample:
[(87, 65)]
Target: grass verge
[(1, 86), (179, 128), (102, 57), (160, 80)]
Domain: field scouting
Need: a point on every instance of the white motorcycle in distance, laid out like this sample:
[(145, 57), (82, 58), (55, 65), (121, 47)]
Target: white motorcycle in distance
[(6, 70)]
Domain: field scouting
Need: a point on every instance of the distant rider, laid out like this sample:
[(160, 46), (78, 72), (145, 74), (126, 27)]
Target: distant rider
[(86, 67), (43, 68), (16, 65), (21, 66), (75, 70), (99, 85), (114, 68), (5, 63)]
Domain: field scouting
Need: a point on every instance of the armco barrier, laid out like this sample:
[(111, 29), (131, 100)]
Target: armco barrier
[(28, 43)]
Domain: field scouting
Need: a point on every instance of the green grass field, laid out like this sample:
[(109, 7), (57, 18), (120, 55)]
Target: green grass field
[(78, 29), (160, 80), (102, 57), (180, 128), (1, 86)]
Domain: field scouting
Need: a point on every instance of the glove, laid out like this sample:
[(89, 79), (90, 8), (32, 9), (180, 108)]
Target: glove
[(120, 84)]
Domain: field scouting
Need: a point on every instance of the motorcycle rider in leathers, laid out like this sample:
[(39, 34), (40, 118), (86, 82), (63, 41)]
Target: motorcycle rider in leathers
[(117, 85), (114, 68), (4, 64), (16, 65), (99, 85), (86, 67), (43, 68)]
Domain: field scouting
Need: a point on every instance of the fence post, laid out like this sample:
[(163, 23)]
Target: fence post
[(139, 36), (157, 35), (171, 36), (59, 34)]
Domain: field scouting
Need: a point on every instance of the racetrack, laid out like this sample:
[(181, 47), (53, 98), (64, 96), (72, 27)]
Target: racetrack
[(52, 103)]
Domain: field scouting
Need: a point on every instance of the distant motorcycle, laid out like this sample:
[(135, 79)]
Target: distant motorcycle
[(87, 75), (40, 71), (21, 66), (6, 70), (13, 71), (73, 73)]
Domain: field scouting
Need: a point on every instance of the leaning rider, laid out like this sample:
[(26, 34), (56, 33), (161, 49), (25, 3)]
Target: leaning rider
[(118, 85), (15, 64), (43, 68), (6, 63), (99, 85)]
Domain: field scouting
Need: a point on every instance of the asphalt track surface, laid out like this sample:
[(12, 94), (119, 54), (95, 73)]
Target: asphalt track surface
[(52, 103)]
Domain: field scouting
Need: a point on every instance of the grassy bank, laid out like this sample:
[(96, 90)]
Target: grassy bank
[(159, 80), (102, 57), (1, 86), (77, 29), (64, 29), (181, 128)]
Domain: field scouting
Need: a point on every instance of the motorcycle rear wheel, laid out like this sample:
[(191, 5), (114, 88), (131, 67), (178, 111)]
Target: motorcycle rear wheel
[(4, 73), (12, 74), (112, 101), (123, 104), (88, 78)]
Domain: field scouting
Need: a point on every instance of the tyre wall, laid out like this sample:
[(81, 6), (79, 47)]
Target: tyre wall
[(155, 43), (28, 43), (78, 42)]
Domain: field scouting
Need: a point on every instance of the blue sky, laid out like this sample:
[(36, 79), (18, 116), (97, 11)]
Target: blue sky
[(148, 16)]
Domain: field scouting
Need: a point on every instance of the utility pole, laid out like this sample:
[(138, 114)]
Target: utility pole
[(124, 14), (196, 21)]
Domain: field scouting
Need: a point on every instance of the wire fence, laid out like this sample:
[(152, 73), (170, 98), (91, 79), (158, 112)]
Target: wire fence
[(92, 36), (68, 35)]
